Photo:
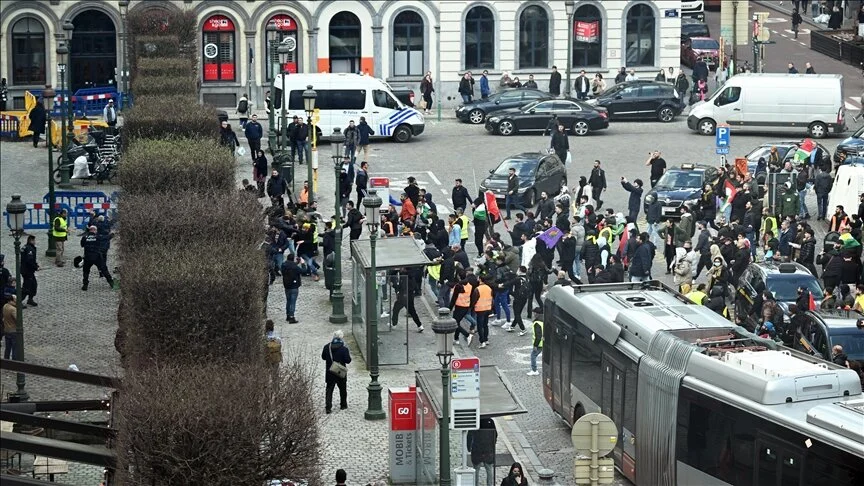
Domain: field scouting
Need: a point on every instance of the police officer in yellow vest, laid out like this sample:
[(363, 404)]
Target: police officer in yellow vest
[(698, 296), (769, 223), (463, 221), (537, 340), (481, 301), (59, 231)]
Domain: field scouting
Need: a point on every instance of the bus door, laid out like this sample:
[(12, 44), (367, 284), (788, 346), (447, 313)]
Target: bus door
[(612, 399)]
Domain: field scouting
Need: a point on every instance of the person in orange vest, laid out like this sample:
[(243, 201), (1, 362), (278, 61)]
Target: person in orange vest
[(481, 302), (460, 304)]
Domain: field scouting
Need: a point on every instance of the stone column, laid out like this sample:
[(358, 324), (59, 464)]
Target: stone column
[(250, 88), (377, 50), (313, 50)]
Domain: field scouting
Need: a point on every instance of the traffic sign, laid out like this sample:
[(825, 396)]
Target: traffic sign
[(722, 134), (722, 150)]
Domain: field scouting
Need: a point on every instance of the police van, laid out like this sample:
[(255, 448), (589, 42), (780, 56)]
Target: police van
[(342, 97)]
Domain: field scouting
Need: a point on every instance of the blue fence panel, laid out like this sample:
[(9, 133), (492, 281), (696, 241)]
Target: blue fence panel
[(74, 198), (9, 127), (37, 216), (96, 91), (81, 215)]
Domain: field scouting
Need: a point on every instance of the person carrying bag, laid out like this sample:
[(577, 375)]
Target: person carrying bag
[(337, 357)]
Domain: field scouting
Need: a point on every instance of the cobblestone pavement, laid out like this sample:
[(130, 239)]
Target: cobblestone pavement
[(74, 327)]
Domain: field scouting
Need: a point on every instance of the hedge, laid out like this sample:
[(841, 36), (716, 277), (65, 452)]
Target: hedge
[(170, 116), (165, 66), (157, 46), (171, 166), (160, 86), (193, 303)]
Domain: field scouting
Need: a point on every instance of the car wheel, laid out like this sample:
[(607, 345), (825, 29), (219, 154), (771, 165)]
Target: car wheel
[(580, 128), (506, 128), (818, 130), (707, 126), (665, 114), (476, 116), (530, 198), (402, 134)]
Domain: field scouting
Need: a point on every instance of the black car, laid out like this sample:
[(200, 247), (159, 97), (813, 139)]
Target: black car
[(781, 279), (476, 111), (538, 172), (403, 94), (691, 27), (786, 151), (679, 186), (830, 328), (640, 100), (853, 145), (578, 117)]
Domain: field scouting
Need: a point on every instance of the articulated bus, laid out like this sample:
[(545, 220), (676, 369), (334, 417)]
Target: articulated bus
[(698, 400)]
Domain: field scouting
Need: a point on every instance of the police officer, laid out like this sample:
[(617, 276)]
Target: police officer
[(59, 229), (92, 244), (29, 266)]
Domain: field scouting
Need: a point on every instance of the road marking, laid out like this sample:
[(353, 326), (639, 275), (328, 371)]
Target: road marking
[(431, 175), (800, 31), (803, 44), (784, 36), (775, 20), (444, 191)]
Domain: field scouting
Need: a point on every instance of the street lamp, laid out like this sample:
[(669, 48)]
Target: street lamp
[(16, 210), (374, 411), (283, 51), (62, 51), (68, 28), (568, 8), (444, 327), (124, 75), (337, 299), (271, 116), (48, 101), (309, 105)]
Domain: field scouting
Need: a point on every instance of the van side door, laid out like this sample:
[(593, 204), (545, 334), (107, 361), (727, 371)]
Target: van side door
[(728, 107)]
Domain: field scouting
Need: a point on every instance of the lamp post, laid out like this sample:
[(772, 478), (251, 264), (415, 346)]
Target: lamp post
[(68, 28), (568, 8), (16, 210), (271, 116), (124, 75), (48, 101), (374, 411), (283, 126), (309, 105), (444, 327), (62, 51), (337, 299)]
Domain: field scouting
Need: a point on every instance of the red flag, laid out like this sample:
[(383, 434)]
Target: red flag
[(812, 302), (622, 245), (730, 189), (492, 208)]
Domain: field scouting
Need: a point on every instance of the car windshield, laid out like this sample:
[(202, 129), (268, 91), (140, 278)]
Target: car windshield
[(524, 167), (853, 344), (705, 44), (859, 133), (681, 179), (785, 289)]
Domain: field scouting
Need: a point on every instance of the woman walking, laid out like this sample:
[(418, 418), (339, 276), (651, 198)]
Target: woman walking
[(259, 170), (426, 90)]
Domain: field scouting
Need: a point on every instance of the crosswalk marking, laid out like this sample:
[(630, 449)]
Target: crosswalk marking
[(801, 31)]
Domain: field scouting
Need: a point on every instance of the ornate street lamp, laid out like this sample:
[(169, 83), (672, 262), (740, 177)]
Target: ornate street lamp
[(309, 106), (337, 299), (284, 52), (271, 116), (16, 209), (444, 327), (568, 8), (374, 411), (124, 39), (62, 52), (48, 101), (68, 28)]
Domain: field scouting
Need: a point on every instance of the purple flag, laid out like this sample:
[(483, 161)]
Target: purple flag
[(550, 236)]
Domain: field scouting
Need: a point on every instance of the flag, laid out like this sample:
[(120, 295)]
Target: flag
[(812, 302), (480, 212), (805, 152), (550, 236), (492, 208), (730, 191), (622, 246)]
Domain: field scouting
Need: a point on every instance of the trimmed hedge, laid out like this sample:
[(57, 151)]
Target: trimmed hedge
[(165, 66), (170, 116), (200, 303), (172, 166), (159, 86), (157, 46)]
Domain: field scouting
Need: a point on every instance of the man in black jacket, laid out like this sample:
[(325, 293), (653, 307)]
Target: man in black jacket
[(412, 190), (555, 82), (460, 196), (335, 352), (404, 286), (481, 445), (560, 143), (277, 187), (291, 280), (254, 132), (546, 206), (361, 182), (635, 199), (640, 266), (597, 179), (92, 244), (808, 252), (512, 197), (354, 221), (582, 86), (29, 265)]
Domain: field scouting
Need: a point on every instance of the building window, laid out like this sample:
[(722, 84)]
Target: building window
[(587, 39), (408, 44), (286, 31), (28, 52), (533, 38), (479, 39), (345, 43), (639, 42), (219, 52)]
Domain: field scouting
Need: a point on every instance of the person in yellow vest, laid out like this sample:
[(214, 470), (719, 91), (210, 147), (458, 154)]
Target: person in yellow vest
[(59, 230), (460, 304), (481, 301), (698, 296), (463, 222), (769, 223), (537, 340)]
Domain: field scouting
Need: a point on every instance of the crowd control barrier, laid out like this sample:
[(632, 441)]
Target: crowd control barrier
[(37, 216), (9, 125)]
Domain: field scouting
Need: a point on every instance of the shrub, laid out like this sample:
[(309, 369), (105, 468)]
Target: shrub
[(160, 85), (172, 166), (165, 66), (153, 46), (205, 424), (151, 25), (170, 116), (193, 304)]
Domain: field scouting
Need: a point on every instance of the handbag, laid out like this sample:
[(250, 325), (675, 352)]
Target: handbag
[(569, 159), (337, 369), (422, 104)]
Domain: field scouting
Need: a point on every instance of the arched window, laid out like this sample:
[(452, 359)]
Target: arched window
[(408, 44), (345, 43), (28, 52), (639, 42), (479, 39), (587, 37), (286, 31), (533, 38), (219, 50)]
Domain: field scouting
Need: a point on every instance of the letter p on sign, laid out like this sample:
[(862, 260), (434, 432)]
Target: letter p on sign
[(722, 136)]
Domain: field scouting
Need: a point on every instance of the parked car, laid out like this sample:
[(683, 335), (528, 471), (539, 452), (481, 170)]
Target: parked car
[(835, 327), (476, 111), (578, 117), (640, 100), (853, 145), (786, 151), (403, 94), (694, 28), (538, 172), (708, 49), (679, 186)]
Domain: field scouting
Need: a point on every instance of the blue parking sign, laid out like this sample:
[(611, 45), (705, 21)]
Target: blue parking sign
[(722, 133)]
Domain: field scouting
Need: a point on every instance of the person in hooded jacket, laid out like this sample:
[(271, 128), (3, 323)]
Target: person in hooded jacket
[(615, 269), (567, 254), (516, 476), (681, 86), (717, 301), (38, 118), (335, 351), (259, 170), (481, 444), (682, 272), (227, 137)]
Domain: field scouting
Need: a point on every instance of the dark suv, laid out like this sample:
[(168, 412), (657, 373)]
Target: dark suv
[(476, 111), (679, 186), (640, 100), (829, 328), (782, 279), (538, 172)]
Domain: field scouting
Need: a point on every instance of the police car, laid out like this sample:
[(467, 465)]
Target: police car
[(679, 186)]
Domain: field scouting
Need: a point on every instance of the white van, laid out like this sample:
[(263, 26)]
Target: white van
[(342, 97), (811, 103), (848, 187)]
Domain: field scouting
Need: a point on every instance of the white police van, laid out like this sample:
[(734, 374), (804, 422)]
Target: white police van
[(342, 97)]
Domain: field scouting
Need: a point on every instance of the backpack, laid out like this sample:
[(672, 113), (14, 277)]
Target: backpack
[(523, 288), (243, 106), (274, 351)]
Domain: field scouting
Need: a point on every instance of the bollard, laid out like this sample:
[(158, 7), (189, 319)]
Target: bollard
[(547, 476)]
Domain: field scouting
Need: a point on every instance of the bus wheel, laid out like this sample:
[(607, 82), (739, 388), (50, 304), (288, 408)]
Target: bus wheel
[(402, 133)]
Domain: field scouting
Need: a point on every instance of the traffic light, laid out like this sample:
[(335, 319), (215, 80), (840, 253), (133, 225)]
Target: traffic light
[(760, 31)]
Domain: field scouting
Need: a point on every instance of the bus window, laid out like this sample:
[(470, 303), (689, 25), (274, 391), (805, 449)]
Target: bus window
[(384, 100)]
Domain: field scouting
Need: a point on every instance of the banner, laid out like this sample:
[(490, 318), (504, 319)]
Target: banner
[(586, 31)]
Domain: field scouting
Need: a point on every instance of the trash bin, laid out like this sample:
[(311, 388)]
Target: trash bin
[(329, 271), (285, 163)]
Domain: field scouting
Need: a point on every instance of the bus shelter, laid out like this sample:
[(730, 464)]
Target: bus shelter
[(497, 399), (390, 254)]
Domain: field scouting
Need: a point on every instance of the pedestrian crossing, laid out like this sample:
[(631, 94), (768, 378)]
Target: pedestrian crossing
[(853, 104)]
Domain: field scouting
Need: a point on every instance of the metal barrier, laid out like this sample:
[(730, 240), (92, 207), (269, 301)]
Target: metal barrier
[(74, 198), (9, 127), (81, 215), (37, 215)]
